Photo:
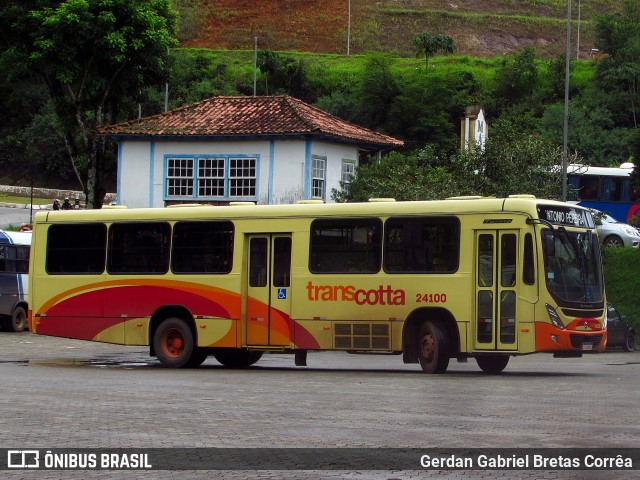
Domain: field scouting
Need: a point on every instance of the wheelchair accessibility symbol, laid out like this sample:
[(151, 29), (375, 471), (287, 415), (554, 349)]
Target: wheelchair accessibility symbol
[(282, 294)]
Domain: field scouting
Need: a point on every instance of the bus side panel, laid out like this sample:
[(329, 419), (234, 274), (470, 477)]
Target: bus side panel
[(100, 311)]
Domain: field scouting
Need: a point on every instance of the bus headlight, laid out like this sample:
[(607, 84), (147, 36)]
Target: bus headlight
[(553, 316)]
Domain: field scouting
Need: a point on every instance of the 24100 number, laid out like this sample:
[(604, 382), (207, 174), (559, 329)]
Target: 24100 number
[(431, 298)]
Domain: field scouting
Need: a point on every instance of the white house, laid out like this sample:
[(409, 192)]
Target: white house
[(474, 128), (268, 150)]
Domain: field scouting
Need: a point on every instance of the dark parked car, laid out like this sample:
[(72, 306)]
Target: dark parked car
[(620, 332)]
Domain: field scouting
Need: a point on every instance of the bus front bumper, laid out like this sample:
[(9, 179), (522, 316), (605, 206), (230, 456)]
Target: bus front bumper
[(552, 339)]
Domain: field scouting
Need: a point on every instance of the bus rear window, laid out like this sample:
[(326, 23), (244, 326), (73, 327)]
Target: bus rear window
[(202, 247), (345, 245), (422, 245), (76, 249), (139, 247)]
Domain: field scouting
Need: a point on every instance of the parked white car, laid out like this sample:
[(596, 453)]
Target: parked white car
[(613, 233)]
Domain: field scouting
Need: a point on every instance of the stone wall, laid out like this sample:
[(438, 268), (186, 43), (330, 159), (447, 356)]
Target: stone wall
[(50, 193)]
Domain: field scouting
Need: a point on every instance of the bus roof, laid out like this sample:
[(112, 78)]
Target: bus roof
[(16, 238), (577, 169), (517, 203)]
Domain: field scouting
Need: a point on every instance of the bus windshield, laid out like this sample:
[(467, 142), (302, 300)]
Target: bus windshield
[(572, 266)]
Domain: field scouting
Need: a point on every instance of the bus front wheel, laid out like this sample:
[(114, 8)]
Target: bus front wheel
[(492, 363), (433, 351), (173, 343)]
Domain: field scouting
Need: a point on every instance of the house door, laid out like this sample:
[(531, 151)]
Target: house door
[(268, 300), (496, 280)]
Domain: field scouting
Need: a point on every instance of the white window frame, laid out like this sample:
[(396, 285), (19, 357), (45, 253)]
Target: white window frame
[(215, 181), (182, 178), (243, 177), (318, 176), (348, 170), (211, 177)]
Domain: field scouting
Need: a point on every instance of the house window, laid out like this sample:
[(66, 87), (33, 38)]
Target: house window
[(318, 177), (205, 178), (348, 170), (211, 177), (242, 177), (180, 177)]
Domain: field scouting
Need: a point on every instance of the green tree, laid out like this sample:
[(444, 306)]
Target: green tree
[(428, 45), (93, 56), (515, 82), (618, 35), (398, 176), (377, 92), (511, 163)]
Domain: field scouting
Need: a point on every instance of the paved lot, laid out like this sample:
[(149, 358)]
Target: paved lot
[(59, 393), (15, 215)]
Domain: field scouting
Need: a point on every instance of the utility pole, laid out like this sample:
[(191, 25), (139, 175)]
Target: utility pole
[(349, 29), (565, 142), (578, 39), (255, 64)]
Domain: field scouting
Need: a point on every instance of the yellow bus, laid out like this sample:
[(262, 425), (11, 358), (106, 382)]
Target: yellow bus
[(465, 277)]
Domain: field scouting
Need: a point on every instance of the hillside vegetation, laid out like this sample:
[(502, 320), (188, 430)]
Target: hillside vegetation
[(479, 28)]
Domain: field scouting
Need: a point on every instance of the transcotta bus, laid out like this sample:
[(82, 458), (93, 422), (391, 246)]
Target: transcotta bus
[(465, 277)]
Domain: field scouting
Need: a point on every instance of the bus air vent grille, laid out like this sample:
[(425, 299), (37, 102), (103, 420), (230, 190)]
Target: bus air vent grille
[(362, 336), (577, 340)]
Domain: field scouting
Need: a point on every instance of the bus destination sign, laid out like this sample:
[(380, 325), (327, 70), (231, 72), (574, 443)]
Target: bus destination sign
[(567, 216)]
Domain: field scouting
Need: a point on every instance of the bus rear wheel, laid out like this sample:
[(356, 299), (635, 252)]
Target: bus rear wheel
[(492, 363), (236, 357), (433, 348), (173, 343), (17, 322)]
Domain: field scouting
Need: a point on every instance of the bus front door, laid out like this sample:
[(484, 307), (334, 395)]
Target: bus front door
[(496, 281), (268, 299)]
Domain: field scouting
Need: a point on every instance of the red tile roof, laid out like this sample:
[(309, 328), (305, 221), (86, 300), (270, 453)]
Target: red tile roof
[(233, 116)]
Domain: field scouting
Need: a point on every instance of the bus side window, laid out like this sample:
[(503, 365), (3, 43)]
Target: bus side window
[(589, 188), (612, 189), (528, 269)]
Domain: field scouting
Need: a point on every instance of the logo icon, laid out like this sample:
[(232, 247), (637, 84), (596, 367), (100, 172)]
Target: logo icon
[(282, 294), (23, 459)]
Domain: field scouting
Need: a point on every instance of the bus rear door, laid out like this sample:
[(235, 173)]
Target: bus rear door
[(496, 321), (268, 300)]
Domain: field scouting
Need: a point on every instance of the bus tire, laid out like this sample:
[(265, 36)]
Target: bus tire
[(197, 358), (237, 357), (173, 343), (18, 321), (492, 364), (433, 348)]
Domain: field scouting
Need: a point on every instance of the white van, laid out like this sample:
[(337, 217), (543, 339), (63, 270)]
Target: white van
[(14, 280)]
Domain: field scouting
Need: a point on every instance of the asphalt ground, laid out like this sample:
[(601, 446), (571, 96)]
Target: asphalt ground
[(60, 393)]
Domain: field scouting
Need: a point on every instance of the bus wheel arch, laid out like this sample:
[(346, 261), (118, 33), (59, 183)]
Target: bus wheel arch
[(173, 339), (441, 319)]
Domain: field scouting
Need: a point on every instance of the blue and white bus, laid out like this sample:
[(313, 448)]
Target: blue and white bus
[(14, 280), (607, 189)]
